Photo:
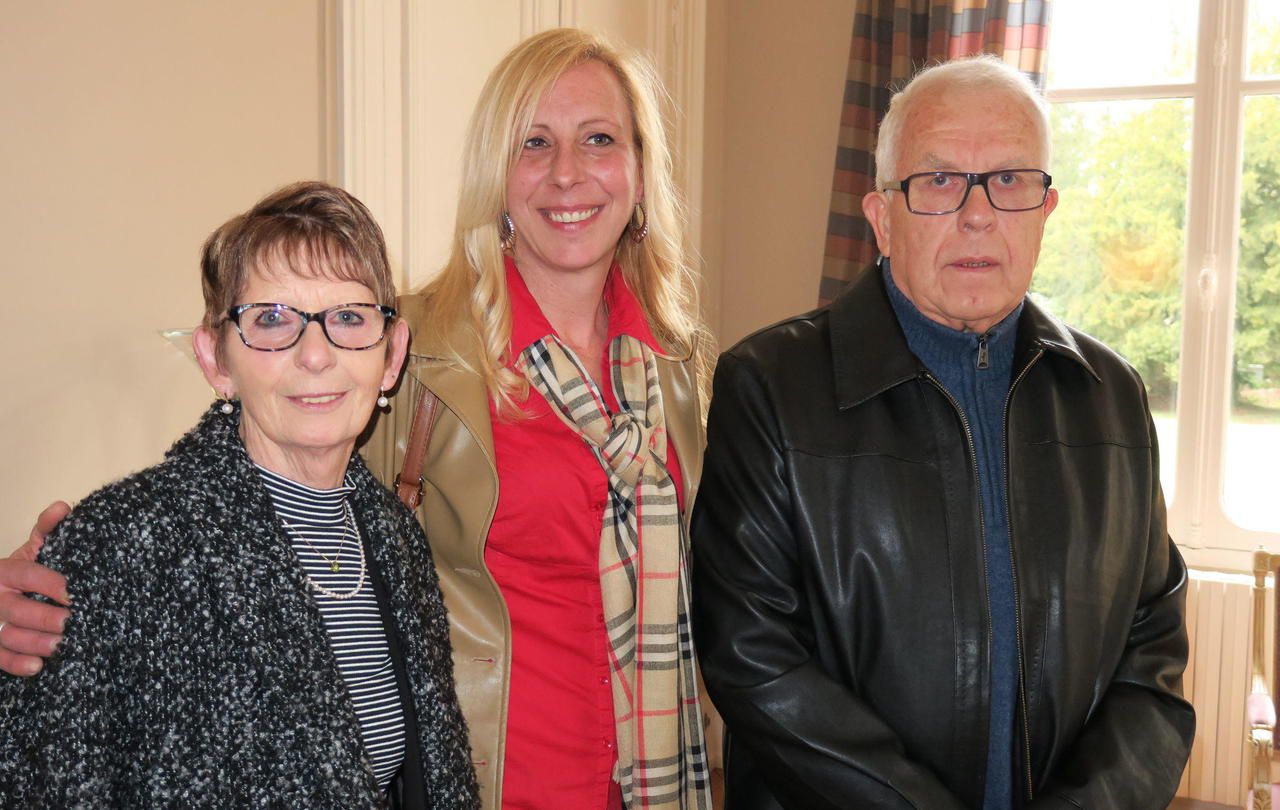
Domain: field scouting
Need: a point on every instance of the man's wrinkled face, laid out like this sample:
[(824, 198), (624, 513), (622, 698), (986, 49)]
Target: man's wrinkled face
[(971, 268)]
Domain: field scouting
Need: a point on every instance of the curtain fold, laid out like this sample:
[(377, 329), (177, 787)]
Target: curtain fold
[(892, 40)]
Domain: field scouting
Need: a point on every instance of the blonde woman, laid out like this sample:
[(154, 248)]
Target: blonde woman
[(564, 344)]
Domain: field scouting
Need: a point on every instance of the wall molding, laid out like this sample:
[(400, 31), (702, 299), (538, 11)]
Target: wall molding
[(331, 93), (688, 77), (539, 15), (417, 127), (372, 114)]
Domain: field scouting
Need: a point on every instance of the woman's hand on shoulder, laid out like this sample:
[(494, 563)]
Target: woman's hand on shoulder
[(31, 631)]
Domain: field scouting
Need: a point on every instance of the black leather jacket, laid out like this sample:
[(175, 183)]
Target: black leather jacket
[(839, 600)]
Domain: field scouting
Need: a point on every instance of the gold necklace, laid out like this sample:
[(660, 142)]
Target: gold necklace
[(351, 530)]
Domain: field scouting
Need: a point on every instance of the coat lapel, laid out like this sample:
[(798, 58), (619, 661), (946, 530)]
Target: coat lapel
[(679, 385)]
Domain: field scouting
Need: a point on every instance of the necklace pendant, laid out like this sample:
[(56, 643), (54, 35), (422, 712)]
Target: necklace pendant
[(334, 567)]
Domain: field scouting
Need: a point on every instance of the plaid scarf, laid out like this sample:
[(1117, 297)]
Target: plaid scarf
[(644, 579)]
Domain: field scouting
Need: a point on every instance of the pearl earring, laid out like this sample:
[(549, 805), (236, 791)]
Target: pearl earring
[(383, 402)]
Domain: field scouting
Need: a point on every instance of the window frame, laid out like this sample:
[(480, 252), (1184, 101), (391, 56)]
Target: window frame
[(1198, 521)]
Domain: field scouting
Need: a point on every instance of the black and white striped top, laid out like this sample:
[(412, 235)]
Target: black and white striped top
[(318, 531)]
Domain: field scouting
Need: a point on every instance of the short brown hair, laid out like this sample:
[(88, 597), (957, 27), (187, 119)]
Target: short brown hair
[(311, 228)]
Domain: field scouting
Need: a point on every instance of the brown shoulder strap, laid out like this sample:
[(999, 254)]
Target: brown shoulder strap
[(409, 480)]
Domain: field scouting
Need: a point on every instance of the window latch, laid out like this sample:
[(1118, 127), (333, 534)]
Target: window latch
[(1207, 282)]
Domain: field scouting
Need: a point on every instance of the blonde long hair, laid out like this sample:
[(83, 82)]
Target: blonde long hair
[(471, 290)]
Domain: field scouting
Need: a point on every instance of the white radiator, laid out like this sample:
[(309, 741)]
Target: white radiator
[(1219, 608)]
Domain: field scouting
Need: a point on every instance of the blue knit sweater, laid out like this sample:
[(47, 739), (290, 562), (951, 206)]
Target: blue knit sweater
[(975, 369)]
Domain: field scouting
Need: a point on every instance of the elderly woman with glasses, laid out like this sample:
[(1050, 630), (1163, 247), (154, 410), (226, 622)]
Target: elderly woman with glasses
[(258, 620)]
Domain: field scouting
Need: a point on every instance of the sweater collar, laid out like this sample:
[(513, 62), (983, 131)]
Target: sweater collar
[(870, 353), (300, 496), (940, 347)]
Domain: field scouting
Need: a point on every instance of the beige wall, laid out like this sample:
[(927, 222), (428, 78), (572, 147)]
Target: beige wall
[(775, 79), (131, 130)]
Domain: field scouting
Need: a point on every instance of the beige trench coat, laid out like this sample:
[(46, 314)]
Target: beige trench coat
[(460, 496)]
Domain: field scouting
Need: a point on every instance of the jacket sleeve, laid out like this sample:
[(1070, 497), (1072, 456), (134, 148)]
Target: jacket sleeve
[(61, 744), (816, 744), (1134, 747)]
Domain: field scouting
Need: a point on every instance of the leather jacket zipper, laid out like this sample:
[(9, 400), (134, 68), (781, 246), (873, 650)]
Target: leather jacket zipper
[(1017, 597), (1017, 600), (982, 523)]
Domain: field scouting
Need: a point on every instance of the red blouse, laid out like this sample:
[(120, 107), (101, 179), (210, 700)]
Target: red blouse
[(543, 550)]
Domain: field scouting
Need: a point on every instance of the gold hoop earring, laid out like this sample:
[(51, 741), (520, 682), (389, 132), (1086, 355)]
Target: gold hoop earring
[(507, 232), (641, 230)]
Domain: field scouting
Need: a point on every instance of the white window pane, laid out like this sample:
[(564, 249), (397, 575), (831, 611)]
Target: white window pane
[(1104, 43), (1264, 38), (1251, 486), (1113, 254)]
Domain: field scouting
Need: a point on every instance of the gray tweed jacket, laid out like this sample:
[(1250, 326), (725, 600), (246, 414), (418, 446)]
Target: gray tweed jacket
[(196, 671)]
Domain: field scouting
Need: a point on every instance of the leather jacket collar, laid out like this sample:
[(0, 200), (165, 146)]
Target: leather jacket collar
[(864, 309)]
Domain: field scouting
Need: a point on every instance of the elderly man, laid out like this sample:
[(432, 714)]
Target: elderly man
[(931, 564)]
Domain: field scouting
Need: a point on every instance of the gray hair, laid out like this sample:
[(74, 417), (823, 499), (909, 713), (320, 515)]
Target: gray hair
[(982, 72)]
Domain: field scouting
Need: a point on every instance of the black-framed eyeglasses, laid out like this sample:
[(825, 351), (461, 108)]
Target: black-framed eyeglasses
[(934, 193), (276, 327)]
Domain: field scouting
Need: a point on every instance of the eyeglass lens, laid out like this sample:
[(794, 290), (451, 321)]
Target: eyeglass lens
[(275, 326), (944, 192)]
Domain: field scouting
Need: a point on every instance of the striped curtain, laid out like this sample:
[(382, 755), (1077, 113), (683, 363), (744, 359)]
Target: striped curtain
[(892, 40)]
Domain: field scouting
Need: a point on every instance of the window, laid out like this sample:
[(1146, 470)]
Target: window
[(1166, 242)]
